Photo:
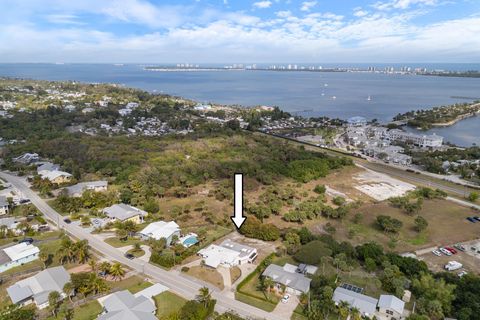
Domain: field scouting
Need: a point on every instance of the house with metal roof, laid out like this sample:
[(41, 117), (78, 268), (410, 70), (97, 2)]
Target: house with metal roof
[(390, 307), (78, 189), (365, 304), (228, 254), (124, 212), (3, 205), (55, 176), (47, 166), (123, 305), (294, 282), (17, 255), (37, 288), (161, 229)]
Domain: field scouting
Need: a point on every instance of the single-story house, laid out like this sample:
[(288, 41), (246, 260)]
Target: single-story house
[(55, 176), (47, 166), (77, 189), (27, 158), (294, 282), (228, 254), (391, 307), (161, 229), (3, 205), (365, 304), (37, 288), (11, 223), (17, 255), (123, 305), (124, 212)]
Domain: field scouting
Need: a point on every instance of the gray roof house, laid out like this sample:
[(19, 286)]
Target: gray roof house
[(78, 189), (123, 212), (391, 305), (123, 305), (367, 305), (296, 282), (3, 205), (48, 166), (37, 288)]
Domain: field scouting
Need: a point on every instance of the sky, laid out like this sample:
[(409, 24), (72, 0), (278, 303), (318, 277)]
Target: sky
[(232, 31)]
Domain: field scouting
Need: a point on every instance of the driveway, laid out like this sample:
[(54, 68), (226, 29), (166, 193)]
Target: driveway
[(286, 309)]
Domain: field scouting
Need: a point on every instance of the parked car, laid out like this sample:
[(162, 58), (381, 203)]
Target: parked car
[(26, 240), (476, 218), (453, 265), (285, 298), (460, 247), (471, 219), (445, 252), (453, 251), (437, 253), (66, 220), (129, 256)]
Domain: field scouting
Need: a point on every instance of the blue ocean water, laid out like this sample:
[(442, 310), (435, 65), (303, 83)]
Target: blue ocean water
[(333, 94)]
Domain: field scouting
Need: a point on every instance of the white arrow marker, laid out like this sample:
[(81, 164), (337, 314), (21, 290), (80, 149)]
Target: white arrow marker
[(238, 218)]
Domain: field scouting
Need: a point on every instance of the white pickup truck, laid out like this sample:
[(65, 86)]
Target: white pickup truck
[(453, 265)]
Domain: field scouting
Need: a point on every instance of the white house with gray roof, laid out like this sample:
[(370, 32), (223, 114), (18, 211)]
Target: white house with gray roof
[(390, 307), (78, 189), (228, 254), (37, 288), (17, 255), (365, 304), (124, 212), (161, 229), (3, 205), (123, 305), (294, 282)]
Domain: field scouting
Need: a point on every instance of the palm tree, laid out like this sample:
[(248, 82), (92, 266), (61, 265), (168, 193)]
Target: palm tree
[(137, 247), (104, 267), (343, 309), (44, 257), (97, 284), (204, 296), (53, 298), (69, 290), (355, 313), (117, 271), (268, 283), (82, 253), (92, 263), (3, 231)]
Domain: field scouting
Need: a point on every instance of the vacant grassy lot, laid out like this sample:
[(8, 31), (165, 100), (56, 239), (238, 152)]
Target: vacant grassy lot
[(208, 275), (168, 303), (88, 311), (447, 225)]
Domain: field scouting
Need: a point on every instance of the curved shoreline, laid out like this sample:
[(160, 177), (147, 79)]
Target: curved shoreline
[(454, 121)]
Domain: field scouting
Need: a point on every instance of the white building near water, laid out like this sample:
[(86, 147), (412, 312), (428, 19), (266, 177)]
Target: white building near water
[(161, 229), (228, 254), (17, 255)]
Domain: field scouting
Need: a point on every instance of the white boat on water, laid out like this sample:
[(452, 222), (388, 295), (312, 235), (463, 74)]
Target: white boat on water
[(369, 98), (334, 97), (325, 85)]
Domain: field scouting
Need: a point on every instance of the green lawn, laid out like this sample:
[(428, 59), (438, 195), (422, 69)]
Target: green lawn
[(133, 284), (117, 243), (136, 253), (88, 311), (168, 303), (256, 302)]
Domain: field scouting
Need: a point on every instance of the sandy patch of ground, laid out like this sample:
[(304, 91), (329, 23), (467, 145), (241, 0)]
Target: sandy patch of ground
[(335, 193), (380, 186)]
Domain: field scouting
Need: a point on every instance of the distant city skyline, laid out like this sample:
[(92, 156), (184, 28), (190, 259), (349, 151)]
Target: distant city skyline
[(227, 31)]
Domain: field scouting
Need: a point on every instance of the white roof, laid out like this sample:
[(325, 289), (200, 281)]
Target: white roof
[(391, 302), (160, 229), (215, 255), (20, 251), (52, 175)]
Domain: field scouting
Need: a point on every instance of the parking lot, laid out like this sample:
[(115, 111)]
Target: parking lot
[(470, 259)]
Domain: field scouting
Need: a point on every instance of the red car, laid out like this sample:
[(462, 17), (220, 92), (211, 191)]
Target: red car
[(453, 251)]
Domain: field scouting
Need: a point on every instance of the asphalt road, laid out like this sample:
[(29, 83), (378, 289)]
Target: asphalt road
[(180, 284)]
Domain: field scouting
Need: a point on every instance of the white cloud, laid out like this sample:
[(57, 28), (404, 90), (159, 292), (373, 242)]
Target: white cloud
[(360, 13), (403, 4), (262, 4), (308, 5)]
